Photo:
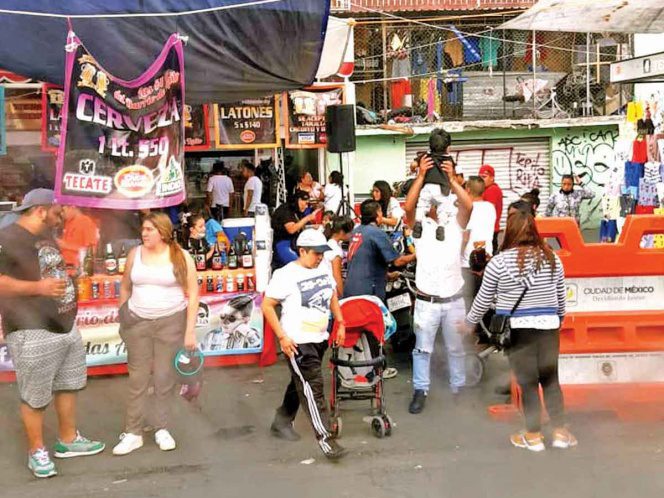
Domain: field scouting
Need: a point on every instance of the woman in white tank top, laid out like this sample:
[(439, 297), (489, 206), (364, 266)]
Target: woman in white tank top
[(158, 307)]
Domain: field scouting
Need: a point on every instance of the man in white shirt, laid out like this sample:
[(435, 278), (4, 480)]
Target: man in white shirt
[(253, 189), (478, 231), (219, 190), (439, 301), (307, 295)]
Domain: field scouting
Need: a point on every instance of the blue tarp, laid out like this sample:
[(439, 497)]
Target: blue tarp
[(236, 52)]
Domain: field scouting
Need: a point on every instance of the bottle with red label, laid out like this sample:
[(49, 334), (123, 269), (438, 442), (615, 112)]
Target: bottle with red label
[(199, 257), (217, 263), (110, 261)]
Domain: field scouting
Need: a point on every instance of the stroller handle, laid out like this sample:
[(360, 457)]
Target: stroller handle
[(379, 360)]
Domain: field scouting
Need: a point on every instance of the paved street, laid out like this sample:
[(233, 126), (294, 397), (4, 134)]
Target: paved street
[(452, 449)]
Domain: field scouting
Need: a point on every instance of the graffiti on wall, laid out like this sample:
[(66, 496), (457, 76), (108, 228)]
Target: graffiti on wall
[(588, 153)]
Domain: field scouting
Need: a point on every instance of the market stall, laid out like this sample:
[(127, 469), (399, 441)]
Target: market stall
[(114, 146), (229, 326)]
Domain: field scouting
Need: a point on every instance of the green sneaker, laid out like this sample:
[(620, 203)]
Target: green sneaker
[(40, 463), (80, 446)]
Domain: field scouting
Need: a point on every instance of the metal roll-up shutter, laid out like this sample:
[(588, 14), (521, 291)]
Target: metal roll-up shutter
[(520, 165)]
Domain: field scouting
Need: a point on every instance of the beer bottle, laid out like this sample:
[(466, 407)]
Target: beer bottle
[(232, 258), (110, 262), (199, 257), (216, 258), (89, 262), (247, 257), (122, 260)]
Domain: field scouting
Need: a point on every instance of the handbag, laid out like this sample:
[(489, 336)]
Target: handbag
[(499, 327)]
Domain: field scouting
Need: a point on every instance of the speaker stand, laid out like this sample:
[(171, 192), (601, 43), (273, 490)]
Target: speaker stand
[(345, 208)]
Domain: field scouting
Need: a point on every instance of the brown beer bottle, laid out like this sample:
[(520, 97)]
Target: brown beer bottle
[(216, 258)]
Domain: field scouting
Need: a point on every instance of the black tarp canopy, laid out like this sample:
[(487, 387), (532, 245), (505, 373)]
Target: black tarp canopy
[(236, 48)]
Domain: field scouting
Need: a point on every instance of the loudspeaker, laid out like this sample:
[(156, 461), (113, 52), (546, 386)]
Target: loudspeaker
[(340, 128)]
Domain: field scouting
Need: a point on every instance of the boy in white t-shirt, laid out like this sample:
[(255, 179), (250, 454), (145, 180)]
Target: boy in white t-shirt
[(307, 295), (478, 233)]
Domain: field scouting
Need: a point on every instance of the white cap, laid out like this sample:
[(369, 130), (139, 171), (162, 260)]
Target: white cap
[(312, 239)]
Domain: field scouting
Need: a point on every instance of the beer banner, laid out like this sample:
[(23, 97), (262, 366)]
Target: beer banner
[(53, 98), (249, 124), (3, 132), (196, 129), (122, 144), (305, 111)]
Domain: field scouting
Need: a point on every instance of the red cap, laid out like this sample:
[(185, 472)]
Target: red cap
[(487, 170)]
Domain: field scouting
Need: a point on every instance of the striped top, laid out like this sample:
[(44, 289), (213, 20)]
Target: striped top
[(542, 307)]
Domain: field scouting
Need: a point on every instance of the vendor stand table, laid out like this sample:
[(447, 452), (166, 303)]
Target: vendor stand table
[(241, 341)]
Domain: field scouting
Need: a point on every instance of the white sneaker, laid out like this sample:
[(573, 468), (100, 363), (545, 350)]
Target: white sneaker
[(128, 443), (164, 440)]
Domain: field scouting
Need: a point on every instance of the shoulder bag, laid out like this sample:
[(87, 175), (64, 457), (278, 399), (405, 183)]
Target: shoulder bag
[(499, 328)]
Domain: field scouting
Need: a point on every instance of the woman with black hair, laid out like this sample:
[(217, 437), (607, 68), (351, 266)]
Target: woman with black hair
[(567, 202), (392, 213), (532, 197), (332, 192), (288, 221)]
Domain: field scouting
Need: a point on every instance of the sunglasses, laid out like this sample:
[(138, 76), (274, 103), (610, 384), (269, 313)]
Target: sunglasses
[(228, 318)]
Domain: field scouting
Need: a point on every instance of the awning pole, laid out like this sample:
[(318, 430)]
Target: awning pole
[(503, 60), (587, 110), (384, 83), (534, 59)]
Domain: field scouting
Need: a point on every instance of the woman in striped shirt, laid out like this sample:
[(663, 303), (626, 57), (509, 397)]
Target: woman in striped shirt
[(526, 260)]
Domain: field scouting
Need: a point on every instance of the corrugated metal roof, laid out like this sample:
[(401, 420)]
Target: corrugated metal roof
[(592, 16), (367, 6)]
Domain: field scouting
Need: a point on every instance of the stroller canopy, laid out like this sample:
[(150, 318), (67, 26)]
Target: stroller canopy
[(361, 314)]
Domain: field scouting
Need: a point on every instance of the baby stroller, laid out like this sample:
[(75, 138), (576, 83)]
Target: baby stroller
[(358, 366)]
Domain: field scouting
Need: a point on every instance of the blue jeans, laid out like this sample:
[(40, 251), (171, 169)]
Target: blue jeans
[(428, 318)]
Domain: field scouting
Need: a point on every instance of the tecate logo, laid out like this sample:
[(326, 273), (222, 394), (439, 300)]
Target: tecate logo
[(618, 290), (134, 181), (247, 136)]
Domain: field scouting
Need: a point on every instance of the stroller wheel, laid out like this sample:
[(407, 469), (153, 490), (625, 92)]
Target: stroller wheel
[(474, 369), (378, 427), (389, 425), (336, 427)]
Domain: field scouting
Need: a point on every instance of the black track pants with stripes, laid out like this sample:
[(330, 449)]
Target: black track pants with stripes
[(306, 388)]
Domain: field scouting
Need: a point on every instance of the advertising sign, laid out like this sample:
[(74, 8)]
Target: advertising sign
[(122, 143), (615, 293), (227, 324), (23, 114), (611, 368), (230, 324), (249, 124), (196, 129), (53, 98), (305, 111)]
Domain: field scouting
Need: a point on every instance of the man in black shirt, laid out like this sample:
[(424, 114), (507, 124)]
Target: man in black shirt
[(38, 309), (288, 220)]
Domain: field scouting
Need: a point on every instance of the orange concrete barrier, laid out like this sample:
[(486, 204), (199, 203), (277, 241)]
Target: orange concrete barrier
[(612, 339)]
